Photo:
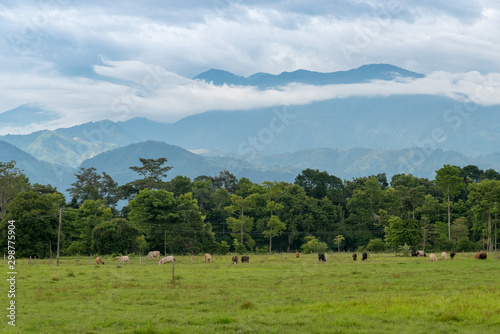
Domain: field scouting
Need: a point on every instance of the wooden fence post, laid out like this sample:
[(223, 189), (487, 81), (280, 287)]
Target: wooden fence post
[(30, 260), (76, 258)]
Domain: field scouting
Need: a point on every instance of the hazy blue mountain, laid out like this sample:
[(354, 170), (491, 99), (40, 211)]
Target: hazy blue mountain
[(37, 171), (265, 80), (393, 122), (357, 162), (26, 114), (71, 146)]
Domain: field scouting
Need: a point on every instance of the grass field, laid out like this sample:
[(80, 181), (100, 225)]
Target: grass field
[(272, 294)]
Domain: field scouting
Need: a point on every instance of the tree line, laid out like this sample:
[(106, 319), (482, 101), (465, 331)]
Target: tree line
[(458, 210)]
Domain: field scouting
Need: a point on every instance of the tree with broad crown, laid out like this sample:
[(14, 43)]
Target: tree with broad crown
[(153, 174), (450, 183)]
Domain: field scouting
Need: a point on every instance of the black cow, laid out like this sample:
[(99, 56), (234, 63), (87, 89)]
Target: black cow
[(245, 259), (235, 259), (414, 254), (321, 257), (452, 254), (365, 256), (354, 256)]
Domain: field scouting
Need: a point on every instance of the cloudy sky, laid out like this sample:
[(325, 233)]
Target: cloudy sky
[(88, 61)]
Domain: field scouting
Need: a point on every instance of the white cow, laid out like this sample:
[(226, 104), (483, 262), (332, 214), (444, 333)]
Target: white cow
[(433, 257), (167, 259), (123, 259), (153, 254), (444, 256)]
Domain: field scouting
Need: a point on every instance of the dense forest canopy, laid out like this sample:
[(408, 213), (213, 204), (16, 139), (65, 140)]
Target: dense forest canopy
[(457, 211)]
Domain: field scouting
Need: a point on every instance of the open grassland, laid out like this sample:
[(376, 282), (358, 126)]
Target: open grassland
[(272, 294)]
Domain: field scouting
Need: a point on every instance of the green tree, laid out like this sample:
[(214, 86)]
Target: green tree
[(312, 245), (400, 232), (484, 198), (153, 173), (450, 183), (91, 186), (114, 236), (338, 240), (240, 222), (12, 182), (36, 219), (275, 228)]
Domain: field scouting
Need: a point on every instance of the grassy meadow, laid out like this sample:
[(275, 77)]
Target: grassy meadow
[(273, 294)]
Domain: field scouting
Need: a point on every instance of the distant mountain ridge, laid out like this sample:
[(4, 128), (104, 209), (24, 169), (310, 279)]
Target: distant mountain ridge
[(361, 74)]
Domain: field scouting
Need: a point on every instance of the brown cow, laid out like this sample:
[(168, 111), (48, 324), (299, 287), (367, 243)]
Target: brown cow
[(354, 256), (297, 255), (208, 258), (235, 259), (245, 259), (98, 260), (481, 256)]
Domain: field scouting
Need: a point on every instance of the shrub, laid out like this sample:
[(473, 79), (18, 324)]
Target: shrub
[(313, 245), (376, 245)]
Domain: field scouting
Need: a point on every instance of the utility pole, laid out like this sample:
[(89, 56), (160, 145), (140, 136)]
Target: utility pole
[(59, 235)]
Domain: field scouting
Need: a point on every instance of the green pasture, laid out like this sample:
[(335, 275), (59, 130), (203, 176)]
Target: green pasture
[(273, 294)]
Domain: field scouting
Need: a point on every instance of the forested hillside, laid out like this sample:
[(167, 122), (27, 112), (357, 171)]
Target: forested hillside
[(458, 210)]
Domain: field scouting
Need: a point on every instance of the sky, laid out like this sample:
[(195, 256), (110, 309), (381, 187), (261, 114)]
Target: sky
[(93, 60)]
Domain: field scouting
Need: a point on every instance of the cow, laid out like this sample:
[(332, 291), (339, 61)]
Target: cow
[(452, 254), (444, 256), (166, 259), (208, 258), (245, 259), (481, 256), (235, 259), (321, 257), (98, 260), (414, 254), (297, 255), (421, 253), (354, 256), (364, 257), (433, 257), (153, 254), (123, 259)]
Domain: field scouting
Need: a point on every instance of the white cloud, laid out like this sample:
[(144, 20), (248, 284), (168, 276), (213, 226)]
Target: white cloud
[(92, 60)]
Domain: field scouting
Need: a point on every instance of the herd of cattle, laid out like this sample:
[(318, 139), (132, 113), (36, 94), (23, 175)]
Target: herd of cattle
[(321, 257)]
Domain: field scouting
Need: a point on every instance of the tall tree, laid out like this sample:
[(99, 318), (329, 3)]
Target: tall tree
[(12, 182), (90, 185), (153, 173), (484, 197), (450, 183), (275, 228), (240, 222)]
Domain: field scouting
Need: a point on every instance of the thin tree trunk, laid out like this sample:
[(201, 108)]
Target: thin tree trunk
[(490, 244), (449, 217)]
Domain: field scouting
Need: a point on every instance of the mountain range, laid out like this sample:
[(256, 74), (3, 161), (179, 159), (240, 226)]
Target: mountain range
[(348, 137)]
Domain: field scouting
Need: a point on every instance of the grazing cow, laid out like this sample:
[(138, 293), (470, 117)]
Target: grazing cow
[(321, 257), (364, 257), (235, 259), (123, 259), (208, 258), (481, 256), (166, 259), (153, 254), (413, 254), (444, 256), (354, 256), (245, 259), (452, 254), (433, 257), (421, 253), (98, 260), (297, 255)]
